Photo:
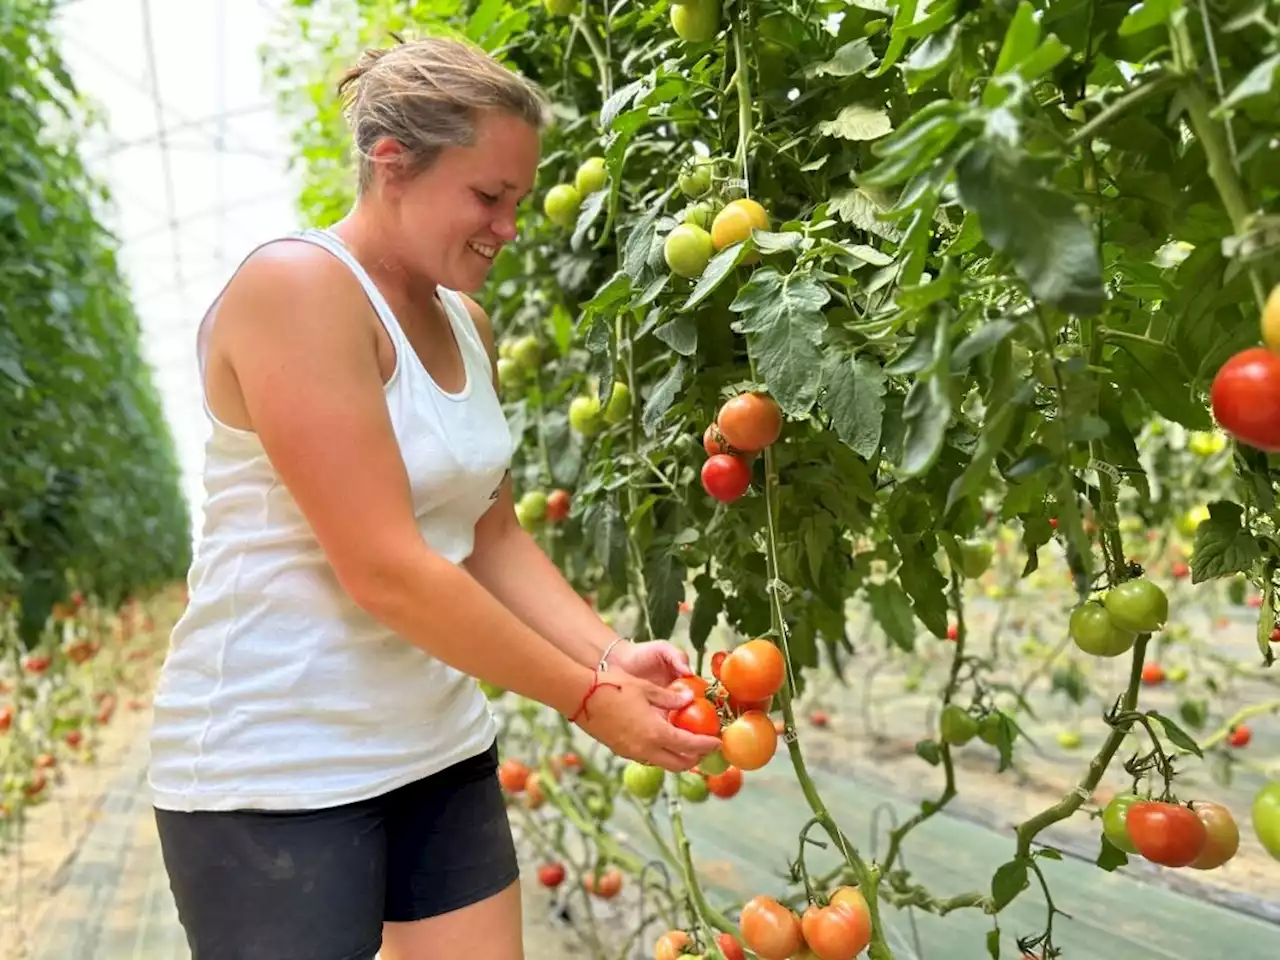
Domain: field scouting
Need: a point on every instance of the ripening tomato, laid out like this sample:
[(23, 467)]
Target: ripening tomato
[(36, 664), (1275, 634), (819, 718), (730, 946), (698, 717), (571, 761), (670, 945), (1166, 833), (1240, 736), (770, 929), (754, 670), (6, 718), (837, 932), (557, 506), (551, 875), (1245, 397), (74, 738), (717, 659), (1269, 322), (750, 741), (46, 761), (735, 223), (739, 707), (693, 683), (513, 775), (713, 441), (750, 421), (1223, 836), (725, 785), (533, 795), (1114, 816), (726, 477), (606, 886)]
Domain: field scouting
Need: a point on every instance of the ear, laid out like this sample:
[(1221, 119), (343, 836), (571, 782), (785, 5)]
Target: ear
[(391, 159)]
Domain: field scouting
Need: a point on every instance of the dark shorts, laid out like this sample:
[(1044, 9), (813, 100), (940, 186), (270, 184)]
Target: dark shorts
[(318, 884)]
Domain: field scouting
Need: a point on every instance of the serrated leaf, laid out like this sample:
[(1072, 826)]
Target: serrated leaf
[(664, 582), (680, 334), (855, 401), (1008, 882), (892, 610), (619, 101), (663, 395), (1257, 83), (1155, 372), (857, 207), (591, 208), (858, 121), (850, 60), (980, 341), (707, 606), (721, 266), (1223, 546), (1176, 734), (784, 322), (1053, 250), (1148, 14), (639, 245)]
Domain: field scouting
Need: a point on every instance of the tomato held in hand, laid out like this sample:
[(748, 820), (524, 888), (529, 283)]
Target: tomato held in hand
[(1166, 833), (750, 741), (698, 717), (770, 929), (837, 932), (717, 660), (1223, 835), (1245, 397), (726, 477), (1114, 816), (693, 683), (754, 670)]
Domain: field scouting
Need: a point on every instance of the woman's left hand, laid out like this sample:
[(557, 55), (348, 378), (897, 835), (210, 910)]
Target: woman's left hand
[(655, 660)]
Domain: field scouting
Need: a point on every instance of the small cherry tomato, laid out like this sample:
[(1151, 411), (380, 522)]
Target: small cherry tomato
[(551, 875), (513, 775), (1240, 736), (1166, 833)]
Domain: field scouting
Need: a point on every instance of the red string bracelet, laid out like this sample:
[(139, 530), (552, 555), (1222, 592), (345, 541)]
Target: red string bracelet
[(596, 684)]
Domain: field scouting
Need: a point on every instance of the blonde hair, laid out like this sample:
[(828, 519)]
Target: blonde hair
[(427, 95)]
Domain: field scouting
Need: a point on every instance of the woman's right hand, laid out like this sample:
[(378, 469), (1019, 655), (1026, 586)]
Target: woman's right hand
[(629, 716)]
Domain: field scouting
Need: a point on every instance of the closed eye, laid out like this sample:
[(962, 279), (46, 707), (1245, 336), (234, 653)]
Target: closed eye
[(487, 198)]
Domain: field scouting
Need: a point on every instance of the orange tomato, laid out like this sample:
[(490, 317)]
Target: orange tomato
[(770, 929), (670, 945), (750, 741), (754, 670)]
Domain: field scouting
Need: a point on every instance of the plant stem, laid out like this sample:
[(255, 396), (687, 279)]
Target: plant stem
[(741, 74), (1256, 710), (623, 335), (1122, 105), (707, 915), (1064, 808), (597, 52)]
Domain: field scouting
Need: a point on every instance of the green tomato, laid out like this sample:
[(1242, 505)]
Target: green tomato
[(510, 374), (1138, 606), (559, 8), (599, 806), (693, 787), (642, 781), (531, 509), (1189, 521), (1094, 632), (957, 726), (694, 183), (688, 250), (713, 763), (527, 352), (1178, 674), (989, 728), (562, 204), (975, 557), (592, 176), (700, 215), (584, 414), (1205, 444), (1266, 817), (1068, 739), (1114, 816), (619, 406), (696, 21)]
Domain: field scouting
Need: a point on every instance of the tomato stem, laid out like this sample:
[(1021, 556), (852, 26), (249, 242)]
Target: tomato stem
[(1240, 716), (743, 83)]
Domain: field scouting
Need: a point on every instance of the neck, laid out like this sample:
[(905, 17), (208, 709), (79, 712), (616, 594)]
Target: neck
[(363, 232)]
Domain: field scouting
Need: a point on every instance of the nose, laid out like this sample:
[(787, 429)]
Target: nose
[(504, 228)]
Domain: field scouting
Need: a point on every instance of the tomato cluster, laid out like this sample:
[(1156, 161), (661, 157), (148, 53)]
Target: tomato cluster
[(838, 930), (1110, 627), (745, 425), (1202, 835), (678, 945), (1246, 389)]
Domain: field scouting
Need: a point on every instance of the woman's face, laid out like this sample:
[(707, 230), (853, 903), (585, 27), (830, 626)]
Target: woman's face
[(452, 219)]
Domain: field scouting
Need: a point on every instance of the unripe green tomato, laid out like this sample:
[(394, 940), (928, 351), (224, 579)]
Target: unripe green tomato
[(1266, 817), (599, 806), (989, 728), (1095, 632), (619, 406), (642, 781), (713, 764), (509, 373), (584, 414), (562, 204), (975, 557), (491, 691), (688, 250), (592, 176), (694, 183), (1178, 674), (559, 8), (1139, 606), (957, 726), (531, 509), (700, 215), (1114, 816), (696, 21), (693, 787), (527, 351), (1068, 739)]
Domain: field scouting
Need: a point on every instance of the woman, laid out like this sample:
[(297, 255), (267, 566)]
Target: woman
[(322, 757)]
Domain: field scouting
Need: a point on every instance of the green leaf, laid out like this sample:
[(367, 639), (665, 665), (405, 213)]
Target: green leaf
[(987, 336), (926, 412), (1008, 882), (784, 322), (1110, 857), (721, 266), (640, 240), (1155, 371), (858, 122), (850, 60), (903, 17), (663, 395), (926, 586), (1177, 735), (1223, 545), (1148, 14), (993, 944), (664, 580), (929, 751), (1257, 83), (680, 333), (855, 400), (707, 606), (892, 610), (1019, 40), (858, 207), (930, 56), (591, 208), (619, 101), (1052, 249)]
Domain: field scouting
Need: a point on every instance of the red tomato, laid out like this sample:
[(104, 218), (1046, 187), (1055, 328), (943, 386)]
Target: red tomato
[(1180, 570), (551, 875), (74, 738), (607, 886), (1275, 634), (1245, 397), (713, 442), (1166, 833), (750, 421), (754, 670), (730, 946), (513, 775), (739, 707), (6, 718), (1240, 736), (717, 659), (837, 932), (557, 505), (46, 761), (693, 683), (953, 632), (750, 741), (670, 945), (725, 785), (36, 664), (698, 717), (770, 929), (726, 477), (35, 785), (1223, 840), (571, 761), (1152, 674), (819, 718)]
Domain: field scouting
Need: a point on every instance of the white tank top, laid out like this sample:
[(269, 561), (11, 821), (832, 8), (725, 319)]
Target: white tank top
[(278, 692)]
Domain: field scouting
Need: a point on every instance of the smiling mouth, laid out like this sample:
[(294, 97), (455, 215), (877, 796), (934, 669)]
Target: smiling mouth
[(483, 249)]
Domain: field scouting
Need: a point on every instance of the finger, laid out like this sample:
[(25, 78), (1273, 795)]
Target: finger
[(675, 762), (694, 744), (674, 656), (668, 699)]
